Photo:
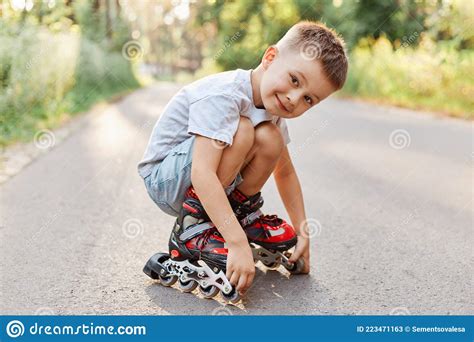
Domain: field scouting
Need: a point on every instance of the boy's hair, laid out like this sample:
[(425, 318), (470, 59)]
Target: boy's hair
[(315, 40)]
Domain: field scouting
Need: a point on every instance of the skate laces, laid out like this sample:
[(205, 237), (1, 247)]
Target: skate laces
[(237, 195), (271, 220), (191, 193), (203, 239), (244, 205)]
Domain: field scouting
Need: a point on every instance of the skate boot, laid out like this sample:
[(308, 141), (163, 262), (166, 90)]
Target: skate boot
[(270, 236), (197, 254)]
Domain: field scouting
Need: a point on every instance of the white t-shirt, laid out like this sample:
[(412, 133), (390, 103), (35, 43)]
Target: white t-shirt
[(210, 107)]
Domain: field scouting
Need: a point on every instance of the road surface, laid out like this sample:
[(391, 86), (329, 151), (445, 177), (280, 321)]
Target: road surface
[(388, 192)]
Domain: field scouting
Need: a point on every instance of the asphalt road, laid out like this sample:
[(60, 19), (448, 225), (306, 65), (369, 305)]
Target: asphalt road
[(389, 193)]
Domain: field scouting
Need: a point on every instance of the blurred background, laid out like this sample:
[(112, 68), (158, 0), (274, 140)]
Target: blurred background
[(57, 58)]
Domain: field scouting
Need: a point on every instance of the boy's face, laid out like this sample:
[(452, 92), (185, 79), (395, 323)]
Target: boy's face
[(292, 84)]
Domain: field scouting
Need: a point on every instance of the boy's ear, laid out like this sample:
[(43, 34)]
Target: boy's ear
[(269, 56)]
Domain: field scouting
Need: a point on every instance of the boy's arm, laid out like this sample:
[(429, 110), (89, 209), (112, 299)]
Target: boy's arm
[(206, 159), (291, 194)]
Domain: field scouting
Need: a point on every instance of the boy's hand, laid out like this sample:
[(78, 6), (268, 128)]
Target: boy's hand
[(302, 250), (240, 266)]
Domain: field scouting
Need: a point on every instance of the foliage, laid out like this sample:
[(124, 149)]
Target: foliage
[(54, 63), (433, 77), (412, 53)]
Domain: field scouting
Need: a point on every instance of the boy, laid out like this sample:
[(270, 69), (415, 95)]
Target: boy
[(226, 134)]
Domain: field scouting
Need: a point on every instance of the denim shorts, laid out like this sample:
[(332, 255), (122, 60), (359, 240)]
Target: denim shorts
[(171, 177)]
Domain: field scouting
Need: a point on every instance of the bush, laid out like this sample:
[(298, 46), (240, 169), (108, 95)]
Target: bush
[(37, 71), (434, 77), (44, 75)]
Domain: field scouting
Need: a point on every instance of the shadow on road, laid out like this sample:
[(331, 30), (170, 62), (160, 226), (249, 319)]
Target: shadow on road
[(272, 292)]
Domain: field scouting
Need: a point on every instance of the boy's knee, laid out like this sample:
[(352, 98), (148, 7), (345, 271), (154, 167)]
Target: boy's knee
[(269, 139), (245, 135)]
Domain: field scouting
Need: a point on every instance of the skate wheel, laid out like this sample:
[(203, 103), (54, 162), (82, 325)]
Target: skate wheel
[(153, 266), (209, 292), (297, 267), (149, 272), (232, 297), (274, 264), (168, 280), (187, 286)]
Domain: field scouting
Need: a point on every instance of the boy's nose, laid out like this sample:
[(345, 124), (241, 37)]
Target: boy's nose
[(292, 100), (289, 103), (292, 97)]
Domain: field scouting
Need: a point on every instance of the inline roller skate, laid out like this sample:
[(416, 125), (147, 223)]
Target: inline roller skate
[(270, 236), (197, 255)]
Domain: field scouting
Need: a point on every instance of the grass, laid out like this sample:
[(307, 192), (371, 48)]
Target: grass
[(433, 78)]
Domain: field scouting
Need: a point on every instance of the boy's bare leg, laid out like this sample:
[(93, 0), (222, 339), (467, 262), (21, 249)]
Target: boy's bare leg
[(255, 152), (233, 157), (262, 158)]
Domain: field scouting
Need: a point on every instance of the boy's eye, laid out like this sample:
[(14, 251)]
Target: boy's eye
[(294, 80), (308, 100)]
